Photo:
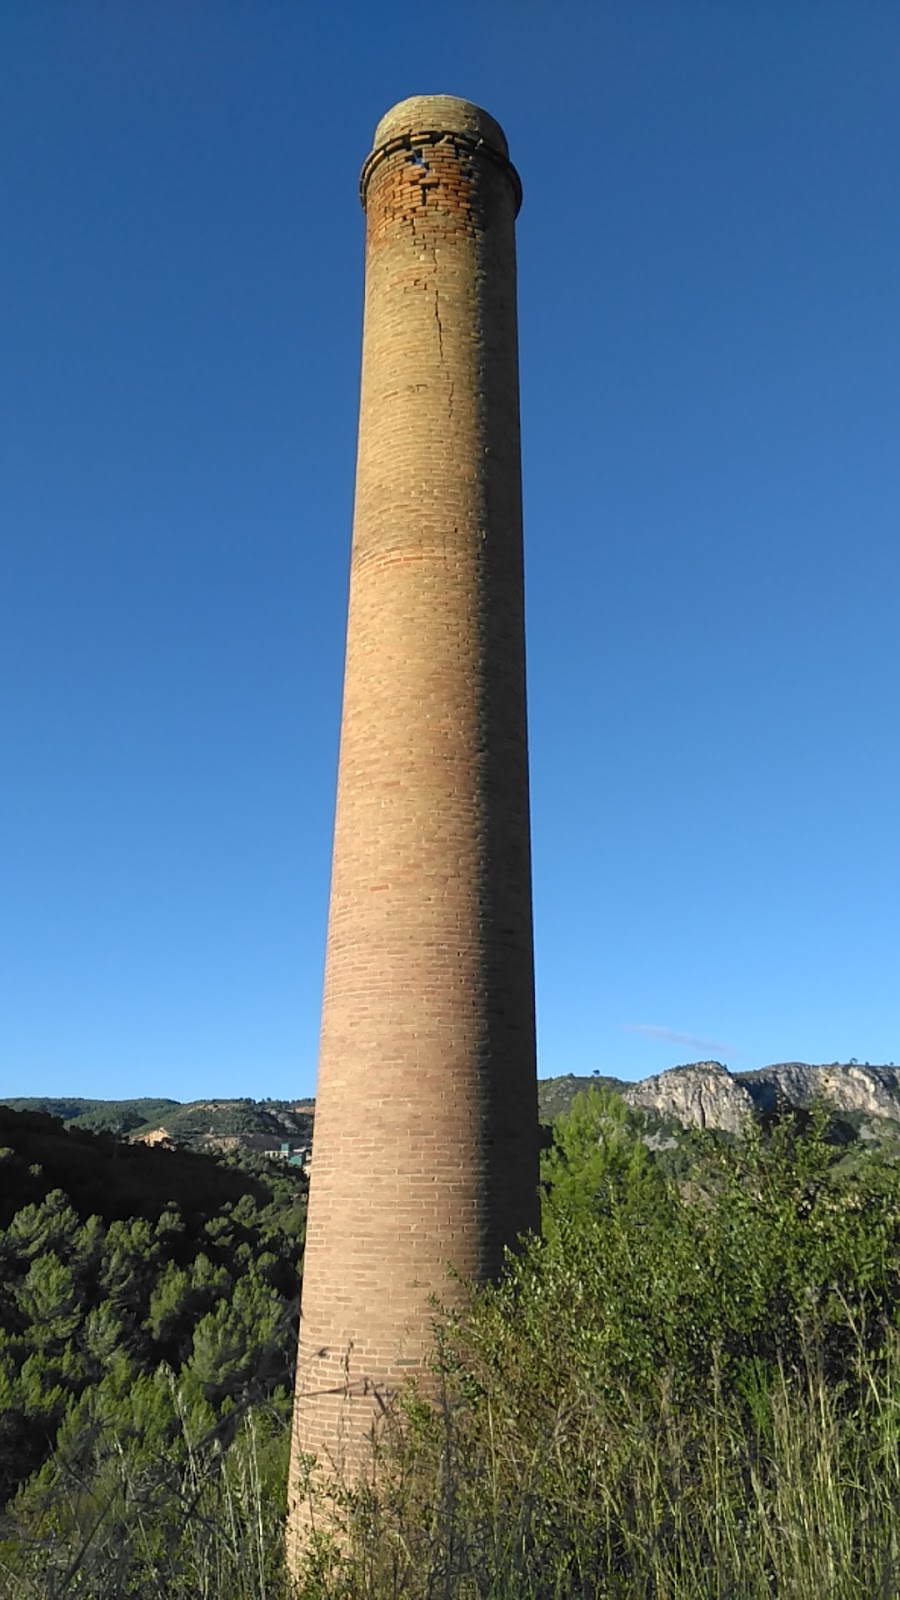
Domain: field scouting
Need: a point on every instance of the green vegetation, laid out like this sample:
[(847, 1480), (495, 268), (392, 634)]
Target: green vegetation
[(555, 1095), (145, 1361), (686, 1389), (117, 1181), (112, 1116), (185, 1123)]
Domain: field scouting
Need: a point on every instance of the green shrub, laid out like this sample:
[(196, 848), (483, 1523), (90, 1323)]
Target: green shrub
[(688, 1388)]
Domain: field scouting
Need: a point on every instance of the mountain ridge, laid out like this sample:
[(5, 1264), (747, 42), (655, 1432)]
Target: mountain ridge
[(702, 1094)]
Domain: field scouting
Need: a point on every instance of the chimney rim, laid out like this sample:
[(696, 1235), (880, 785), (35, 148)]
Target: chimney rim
[(421, 120), (444, 113)]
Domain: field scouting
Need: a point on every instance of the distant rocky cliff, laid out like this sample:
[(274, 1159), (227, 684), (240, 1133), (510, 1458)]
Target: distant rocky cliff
[(846, 1087), (705, 1094)]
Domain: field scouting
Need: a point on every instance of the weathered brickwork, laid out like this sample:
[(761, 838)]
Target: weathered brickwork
[(425, 1146)]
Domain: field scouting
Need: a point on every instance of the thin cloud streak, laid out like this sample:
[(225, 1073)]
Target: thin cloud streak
[(671, 1036)]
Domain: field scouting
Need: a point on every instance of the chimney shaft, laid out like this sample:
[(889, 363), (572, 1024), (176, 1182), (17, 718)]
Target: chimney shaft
[(425, 1147)]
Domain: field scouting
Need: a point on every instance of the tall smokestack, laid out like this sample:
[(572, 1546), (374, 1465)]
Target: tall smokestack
[(425, 1149)]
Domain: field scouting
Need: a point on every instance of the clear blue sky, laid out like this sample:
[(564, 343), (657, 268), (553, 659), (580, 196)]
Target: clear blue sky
[(710, 348)]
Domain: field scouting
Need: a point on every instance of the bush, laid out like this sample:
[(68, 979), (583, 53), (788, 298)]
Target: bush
[(686, 1388)]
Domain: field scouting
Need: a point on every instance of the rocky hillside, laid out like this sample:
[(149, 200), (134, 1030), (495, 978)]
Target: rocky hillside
[(704, 1094), (870, 1091), (701, 1094)]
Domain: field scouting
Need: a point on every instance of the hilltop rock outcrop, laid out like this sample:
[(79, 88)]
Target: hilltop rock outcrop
[(702, 1095), (873, 1091)]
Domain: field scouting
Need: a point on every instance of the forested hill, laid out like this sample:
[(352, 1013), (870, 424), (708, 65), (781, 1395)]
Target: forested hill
[(103, 1176), (148, 1299), (113, 1116), (700, 1093), (190, 1122), (555, 1095), (183, 1122)]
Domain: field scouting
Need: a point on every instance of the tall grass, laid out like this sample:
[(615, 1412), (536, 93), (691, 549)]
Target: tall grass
[(689, 1389), (638, 1500), (204, 1523), (641, 1500)]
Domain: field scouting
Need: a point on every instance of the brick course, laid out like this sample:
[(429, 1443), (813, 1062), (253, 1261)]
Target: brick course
[(425, 1143)]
